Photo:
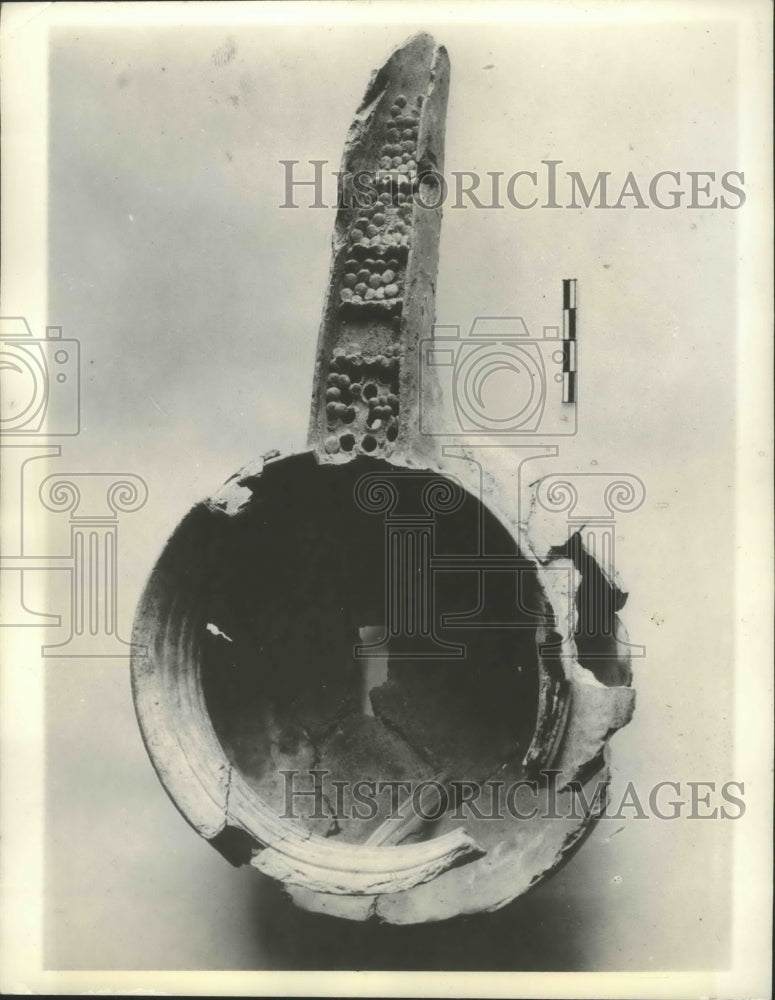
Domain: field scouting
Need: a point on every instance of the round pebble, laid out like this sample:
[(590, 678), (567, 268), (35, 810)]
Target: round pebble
[(356, 300), (355, 390), (331, 409), (372, 230), (396, 110), (345, 294), (350, 280), (391, 291), (360, 288), (388, 277), (356, 234), (375, 281), (333, 394), (363, 274), (392, 401), (379, 293), (379, 219), (331, 445), (369, 294), (348, 415)]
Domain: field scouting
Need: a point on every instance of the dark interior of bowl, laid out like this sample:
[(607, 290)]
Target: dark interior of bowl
[(295, 588)]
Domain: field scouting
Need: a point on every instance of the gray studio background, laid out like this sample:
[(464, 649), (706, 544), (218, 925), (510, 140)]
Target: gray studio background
[(197, 300)]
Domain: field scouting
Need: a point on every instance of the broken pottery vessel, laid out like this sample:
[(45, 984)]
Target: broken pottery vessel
[(371, 610)]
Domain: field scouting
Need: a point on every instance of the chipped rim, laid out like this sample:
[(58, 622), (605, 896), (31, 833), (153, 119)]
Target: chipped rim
[(212, 794)]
